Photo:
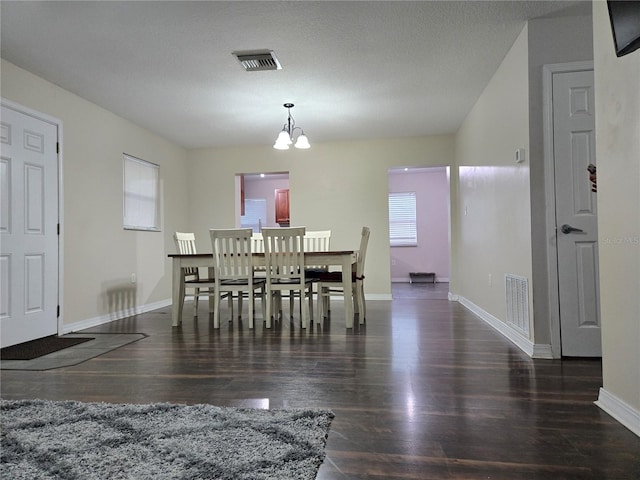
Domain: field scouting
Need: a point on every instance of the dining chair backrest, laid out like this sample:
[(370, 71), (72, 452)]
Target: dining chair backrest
[(362, 253), (232, 253), (257, 243), (186, 244), (284, 252), (317, 240)]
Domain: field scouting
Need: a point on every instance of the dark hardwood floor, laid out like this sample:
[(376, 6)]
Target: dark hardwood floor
[(425, 390)]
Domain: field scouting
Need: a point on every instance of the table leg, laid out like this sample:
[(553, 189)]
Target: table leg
[(177, 290), (348, 291)]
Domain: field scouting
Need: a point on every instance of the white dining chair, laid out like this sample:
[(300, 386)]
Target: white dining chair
[(284, 260), (330, 283), (234, 272), (186, 244), (316, 241)]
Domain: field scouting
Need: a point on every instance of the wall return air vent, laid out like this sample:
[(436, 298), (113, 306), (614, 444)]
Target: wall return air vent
[(257, 60)]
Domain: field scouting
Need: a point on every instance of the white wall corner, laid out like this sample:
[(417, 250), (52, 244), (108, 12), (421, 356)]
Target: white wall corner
[(110, 317), (621, 411), (510, 333)]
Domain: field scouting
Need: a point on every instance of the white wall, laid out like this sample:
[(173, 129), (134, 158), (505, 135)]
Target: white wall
[(509, 229), (617, 82), (340, 186), (432, 216), (99, 255), (491, 215)]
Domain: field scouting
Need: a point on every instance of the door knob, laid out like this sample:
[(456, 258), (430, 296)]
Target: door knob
[(569, 229)]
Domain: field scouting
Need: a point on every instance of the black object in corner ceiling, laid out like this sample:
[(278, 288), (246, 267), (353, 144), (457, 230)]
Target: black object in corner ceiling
[(625, 25)]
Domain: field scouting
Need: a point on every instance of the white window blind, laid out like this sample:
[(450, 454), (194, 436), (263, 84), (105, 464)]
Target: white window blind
[(402, 219), (255, 213), (141, 211)]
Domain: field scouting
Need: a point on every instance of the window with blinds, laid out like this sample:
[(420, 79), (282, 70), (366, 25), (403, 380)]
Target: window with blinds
[(402, 219), (255, 213), (141, 199)]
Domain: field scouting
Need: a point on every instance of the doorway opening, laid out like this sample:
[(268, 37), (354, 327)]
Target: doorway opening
[(263, 200), (419, 229)]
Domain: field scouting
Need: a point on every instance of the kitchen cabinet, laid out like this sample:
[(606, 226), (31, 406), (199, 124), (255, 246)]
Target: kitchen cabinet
[(282, 207)]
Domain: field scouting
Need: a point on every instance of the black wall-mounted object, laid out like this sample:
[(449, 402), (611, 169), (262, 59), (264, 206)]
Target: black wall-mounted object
[(625, 25)]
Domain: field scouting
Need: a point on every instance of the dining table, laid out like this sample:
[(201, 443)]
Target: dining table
[(345, 259)]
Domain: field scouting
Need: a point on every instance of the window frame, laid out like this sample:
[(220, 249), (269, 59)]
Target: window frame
[(403, 210), (141, 188)]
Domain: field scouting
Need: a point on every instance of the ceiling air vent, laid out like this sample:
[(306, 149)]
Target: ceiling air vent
[(258, 60)]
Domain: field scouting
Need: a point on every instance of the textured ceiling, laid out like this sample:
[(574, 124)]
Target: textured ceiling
[(355, 70)]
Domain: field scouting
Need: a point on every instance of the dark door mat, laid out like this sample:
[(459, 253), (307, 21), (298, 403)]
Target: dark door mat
[(38, 348)]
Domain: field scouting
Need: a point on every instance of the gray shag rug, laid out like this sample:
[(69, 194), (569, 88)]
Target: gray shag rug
[(72, 440)]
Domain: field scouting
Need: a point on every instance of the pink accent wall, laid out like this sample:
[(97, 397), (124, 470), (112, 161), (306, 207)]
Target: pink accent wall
[(265, 188), (432, 212)]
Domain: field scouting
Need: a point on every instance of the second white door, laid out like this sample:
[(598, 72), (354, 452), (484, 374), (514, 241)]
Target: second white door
[(576, 213)]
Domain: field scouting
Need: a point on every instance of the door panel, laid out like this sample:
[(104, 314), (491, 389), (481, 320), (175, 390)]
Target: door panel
[(28, 225), (576, 213)]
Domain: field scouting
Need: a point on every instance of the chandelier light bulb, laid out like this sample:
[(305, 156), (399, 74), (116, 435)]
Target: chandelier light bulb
[(302, 142)]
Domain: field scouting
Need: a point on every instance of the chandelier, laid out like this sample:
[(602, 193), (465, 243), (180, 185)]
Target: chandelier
[(286, 136)]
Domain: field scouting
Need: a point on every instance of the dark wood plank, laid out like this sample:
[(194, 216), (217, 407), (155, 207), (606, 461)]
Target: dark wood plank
[(423, 390)]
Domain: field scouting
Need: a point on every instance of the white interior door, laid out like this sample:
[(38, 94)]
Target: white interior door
[(29, 227), (576, 213)]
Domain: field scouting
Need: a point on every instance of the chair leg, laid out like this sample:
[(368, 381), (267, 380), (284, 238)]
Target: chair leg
[(211, 295), (251, 305), (268, 308), (291, 295), (278, 304), (240, 296), (356, 299), (263, 297), (326, 298), (319, 299), (196, 295), (363, 303), (305, 310), (216, 310)]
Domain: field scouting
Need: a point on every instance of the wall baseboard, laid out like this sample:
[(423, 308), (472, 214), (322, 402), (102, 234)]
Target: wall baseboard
[(378, 296), (621, 411), (527, 346), (110, 317)]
